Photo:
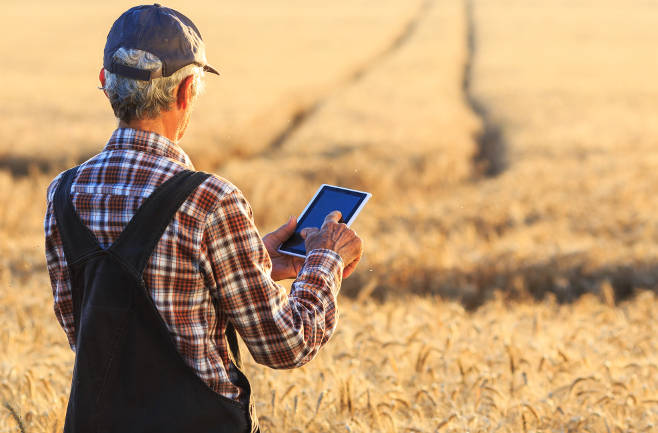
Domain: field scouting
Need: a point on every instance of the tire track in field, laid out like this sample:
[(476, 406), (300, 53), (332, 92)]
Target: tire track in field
[(303, 115), (491, 156), (21, 166)]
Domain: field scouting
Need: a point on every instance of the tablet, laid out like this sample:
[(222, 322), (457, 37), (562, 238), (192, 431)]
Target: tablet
[(328, 198)]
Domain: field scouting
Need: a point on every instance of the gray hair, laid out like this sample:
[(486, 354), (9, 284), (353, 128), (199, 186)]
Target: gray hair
[(134, 99)]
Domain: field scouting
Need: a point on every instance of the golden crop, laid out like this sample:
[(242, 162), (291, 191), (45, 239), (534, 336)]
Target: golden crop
[(510, 149), (417, 364)]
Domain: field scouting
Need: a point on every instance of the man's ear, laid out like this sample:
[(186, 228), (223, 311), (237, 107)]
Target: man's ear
[(101, 77), (184, 92)]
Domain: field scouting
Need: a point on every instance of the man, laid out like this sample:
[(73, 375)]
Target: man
[(154, 266)]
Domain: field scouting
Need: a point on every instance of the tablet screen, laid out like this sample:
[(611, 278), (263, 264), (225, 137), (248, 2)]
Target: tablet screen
[(328, 199)]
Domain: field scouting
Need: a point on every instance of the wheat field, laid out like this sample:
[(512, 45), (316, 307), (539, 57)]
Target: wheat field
[(509, 281)]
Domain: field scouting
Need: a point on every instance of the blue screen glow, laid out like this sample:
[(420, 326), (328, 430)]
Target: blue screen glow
[(329, 199)]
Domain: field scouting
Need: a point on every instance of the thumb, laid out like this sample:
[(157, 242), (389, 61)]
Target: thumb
[(285, 231)]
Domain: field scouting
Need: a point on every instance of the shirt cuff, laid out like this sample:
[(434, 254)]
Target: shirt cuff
[(329, 264)]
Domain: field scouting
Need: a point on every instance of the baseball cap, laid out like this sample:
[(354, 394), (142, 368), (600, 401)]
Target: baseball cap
[(161, 31)]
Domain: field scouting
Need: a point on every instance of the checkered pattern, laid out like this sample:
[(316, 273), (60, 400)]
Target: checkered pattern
[(209, 267)]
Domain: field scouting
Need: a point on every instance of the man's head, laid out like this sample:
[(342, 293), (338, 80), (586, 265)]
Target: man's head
[(154, 62)]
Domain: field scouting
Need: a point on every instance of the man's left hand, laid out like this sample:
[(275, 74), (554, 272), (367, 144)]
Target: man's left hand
[(284, 266)]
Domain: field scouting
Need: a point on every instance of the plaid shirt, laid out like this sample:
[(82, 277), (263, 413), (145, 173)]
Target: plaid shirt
[(209, 267)]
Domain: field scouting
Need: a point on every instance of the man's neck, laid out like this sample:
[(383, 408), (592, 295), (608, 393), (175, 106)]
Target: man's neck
[(165, 124)]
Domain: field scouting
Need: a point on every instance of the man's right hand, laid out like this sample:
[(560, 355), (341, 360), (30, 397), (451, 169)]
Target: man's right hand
[(337, 237)]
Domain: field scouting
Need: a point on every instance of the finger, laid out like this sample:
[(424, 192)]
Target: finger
[(356, 250), (332, 217), (285, 231), (308, 231), (349, 269), (288, 228)]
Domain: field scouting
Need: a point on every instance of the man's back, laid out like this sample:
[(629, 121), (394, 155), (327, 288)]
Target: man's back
[(128, 375)]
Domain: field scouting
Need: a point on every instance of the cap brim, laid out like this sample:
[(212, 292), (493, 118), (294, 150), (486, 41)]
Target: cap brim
[(210, 69)]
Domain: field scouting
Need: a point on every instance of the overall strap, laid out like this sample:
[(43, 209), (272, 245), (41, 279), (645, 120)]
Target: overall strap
[(234, 349), (137, 241), (77, 239)]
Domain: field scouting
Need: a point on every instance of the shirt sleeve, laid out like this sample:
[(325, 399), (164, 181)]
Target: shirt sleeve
[(280, 330), (58, 268)]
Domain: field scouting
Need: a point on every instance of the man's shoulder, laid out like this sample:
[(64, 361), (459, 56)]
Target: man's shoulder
[(208, 196), (217, 186), (52, 187)]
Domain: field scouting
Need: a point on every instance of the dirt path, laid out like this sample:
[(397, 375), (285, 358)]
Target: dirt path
[(491, 157), (304, 114)]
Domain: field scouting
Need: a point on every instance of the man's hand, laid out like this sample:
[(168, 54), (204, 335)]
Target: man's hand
[(283, 265), (336, 237)]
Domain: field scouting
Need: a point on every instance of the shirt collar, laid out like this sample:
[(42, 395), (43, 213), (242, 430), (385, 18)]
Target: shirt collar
[(150, 142)]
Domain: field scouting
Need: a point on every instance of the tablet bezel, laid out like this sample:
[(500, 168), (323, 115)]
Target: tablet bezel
[(365, 197)]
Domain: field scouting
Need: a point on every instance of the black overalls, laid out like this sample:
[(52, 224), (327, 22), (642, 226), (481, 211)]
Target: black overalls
[(128, 376)]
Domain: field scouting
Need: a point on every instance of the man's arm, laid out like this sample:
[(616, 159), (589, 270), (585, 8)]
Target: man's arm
[(57, 269), (281, 330)]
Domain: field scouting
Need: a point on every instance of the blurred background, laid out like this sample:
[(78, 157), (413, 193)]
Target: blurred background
[(510, 146)]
